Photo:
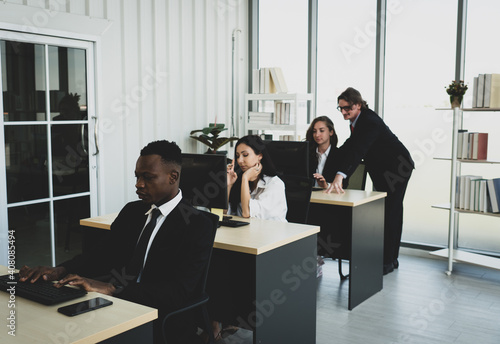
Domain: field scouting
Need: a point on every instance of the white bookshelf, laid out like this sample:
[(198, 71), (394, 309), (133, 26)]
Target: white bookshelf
[(299, 104), (453, 253)]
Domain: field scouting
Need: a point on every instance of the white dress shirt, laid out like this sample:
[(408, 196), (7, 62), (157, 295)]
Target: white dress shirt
[(321, 162), (165, 210), (267, 201)]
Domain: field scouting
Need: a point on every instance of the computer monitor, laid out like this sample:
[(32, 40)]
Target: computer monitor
[(289, 157), (204, 180)]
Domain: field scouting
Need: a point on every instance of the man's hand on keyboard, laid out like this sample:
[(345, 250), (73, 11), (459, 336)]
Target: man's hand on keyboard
[(87, 284), (47, 273)]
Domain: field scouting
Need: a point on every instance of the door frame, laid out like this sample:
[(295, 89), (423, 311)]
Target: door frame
[(93, 135)]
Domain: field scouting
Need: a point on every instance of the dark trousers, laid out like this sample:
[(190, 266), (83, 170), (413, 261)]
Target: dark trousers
[(395, 185)]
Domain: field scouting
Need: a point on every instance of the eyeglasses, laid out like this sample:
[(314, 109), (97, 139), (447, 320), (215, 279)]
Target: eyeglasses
[(345, 108)]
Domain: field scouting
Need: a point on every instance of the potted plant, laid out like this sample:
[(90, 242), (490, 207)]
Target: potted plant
[(210, 137), (456, 90)]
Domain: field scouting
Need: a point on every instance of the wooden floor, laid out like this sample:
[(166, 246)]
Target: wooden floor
[(419, 303)]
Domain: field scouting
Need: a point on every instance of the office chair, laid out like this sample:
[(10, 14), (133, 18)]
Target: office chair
[(202, 299), (298, 195), (357, 181)]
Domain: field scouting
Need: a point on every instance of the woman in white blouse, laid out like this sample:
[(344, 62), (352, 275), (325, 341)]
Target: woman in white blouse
[(255, 190)]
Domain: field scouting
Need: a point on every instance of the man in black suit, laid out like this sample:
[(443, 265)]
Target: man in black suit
[(159, 265), (387, 161)]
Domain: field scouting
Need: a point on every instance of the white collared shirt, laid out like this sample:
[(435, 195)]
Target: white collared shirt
[(267, 201), (321, 162), (353, 123), (165, 210)]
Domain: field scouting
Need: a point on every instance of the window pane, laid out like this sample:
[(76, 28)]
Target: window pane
[(420, 62), (68, 85), (69, 235), (70, 165), (346, 55), (283, 40), (31, 224), (26, 162), (23, 81)]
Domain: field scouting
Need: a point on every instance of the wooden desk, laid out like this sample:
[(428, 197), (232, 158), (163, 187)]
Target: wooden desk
[(352, 227), (122, 322), (277, 302)]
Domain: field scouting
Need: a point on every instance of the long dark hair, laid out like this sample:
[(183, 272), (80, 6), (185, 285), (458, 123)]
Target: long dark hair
[(352, 96), (268, 169), (313, 157)]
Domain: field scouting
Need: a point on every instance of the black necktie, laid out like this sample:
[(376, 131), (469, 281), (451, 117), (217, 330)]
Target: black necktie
[(137, 261)]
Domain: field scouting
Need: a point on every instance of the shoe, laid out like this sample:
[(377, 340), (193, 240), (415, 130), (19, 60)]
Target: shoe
[(395, 263), (388, 268)]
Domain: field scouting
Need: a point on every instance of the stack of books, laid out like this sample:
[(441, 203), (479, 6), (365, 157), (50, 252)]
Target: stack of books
[(486, 91), (472, 145), (268, 80), (255, 117), (478, 194)]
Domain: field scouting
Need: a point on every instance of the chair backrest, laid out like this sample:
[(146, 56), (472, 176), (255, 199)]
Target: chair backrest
[(215, 221), (298, 195), (357, 180)]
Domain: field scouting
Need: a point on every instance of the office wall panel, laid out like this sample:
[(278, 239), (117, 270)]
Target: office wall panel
[(163, 68)]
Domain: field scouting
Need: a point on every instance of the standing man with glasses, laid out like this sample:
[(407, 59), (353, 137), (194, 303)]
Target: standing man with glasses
[(387, 161)]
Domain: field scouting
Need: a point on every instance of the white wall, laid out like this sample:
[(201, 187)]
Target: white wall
[(163, 69)]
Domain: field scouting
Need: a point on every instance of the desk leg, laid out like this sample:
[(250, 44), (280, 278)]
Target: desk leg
[(285, 300), (367, 246)]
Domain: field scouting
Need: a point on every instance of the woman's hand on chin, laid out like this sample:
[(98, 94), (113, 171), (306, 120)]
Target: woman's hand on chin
[(253, 173)]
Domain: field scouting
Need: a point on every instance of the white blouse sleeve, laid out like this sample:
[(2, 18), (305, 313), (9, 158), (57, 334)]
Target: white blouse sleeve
[(270, 203)]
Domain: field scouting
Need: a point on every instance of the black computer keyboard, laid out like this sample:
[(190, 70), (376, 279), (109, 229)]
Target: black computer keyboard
[(232, 223), (41, 291)]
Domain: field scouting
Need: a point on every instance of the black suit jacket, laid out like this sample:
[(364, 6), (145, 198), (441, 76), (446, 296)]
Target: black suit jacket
[(384, 155), (332, 164), (175, 263)]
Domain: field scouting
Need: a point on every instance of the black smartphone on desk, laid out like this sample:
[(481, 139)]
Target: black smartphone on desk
[(84, 306)]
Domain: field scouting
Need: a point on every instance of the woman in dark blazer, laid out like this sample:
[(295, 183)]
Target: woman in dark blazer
[(324, 155)]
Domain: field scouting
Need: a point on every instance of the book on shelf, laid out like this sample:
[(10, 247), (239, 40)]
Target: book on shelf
[(463, 192), (262, 80), (282, 113), (474, 92), (268, 80), (255, 81), (486, 91), (480, 146), (281, 79), (494, 194), (260, 117), (460, 142), (286, 137), (472, 145), (480, 91), (495, 91), (478, 191), (475, 193), (483, 202)]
